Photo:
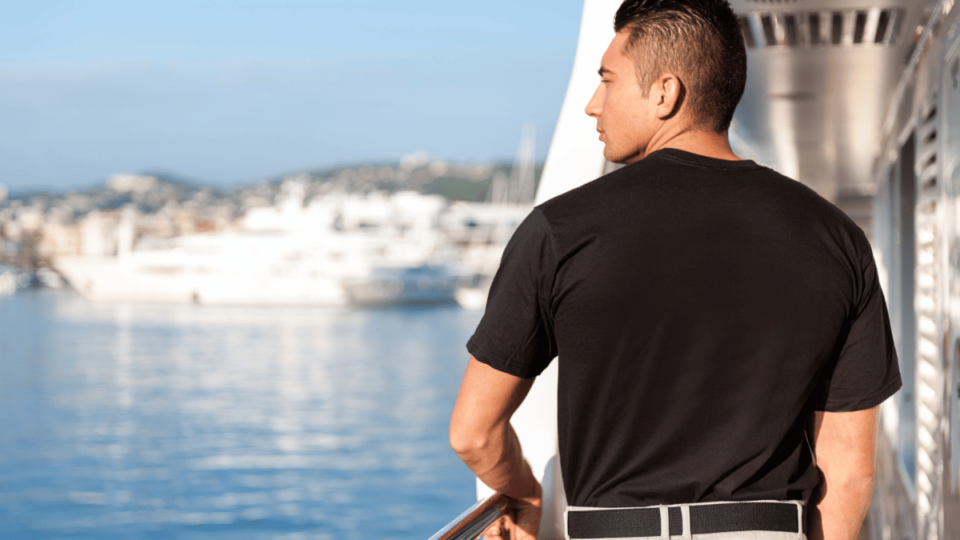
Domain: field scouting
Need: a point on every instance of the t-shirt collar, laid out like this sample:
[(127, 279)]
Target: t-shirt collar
[(674, 154)]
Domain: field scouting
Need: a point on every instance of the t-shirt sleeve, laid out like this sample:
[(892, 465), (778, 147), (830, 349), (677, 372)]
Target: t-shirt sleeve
[(866, 371), (516, 333)]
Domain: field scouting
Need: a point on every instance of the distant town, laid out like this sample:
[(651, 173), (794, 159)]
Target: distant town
[(37, 228)]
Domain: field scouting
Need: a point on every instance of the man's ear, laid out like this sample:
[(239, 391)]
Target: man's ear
[(667, 95)]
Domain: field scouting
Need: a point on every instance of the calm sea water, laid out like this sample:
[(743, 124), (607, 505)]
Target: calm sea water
[(154, 421)]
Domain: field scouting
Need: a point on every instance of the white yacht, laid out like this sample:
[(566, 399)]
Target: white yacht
[(290, 255)]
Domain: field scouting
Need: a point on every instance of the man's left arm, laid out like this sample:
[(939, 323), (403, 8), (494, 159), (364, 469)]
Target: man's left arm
[(480, 433)]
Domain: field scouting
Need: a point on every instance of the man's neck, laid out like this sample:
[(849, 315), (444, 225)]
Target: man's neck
[(696, 141)]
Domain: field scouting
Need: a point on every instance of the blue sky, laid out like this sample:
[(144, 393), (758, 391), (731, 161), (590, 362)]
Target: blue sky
[(233, 91)]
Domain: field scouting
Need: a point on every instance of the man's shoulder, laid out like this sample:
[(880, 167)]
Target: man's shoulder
[(595, 194), (811, 208)]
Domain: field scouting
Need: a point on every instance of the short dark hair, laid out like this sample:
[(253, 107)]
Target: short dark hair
[(698, 40)]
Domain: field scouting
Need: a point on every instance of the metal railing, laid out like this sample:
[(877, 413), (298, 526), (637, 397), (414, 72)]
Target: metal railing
[(471, 524)]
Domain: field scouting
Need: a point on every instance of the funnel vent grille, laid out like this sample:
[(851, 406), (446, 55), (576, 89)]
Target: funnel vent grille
[(837, 28)]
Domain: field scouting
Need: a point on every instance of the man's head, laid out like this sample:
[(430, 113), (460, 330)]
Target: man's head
[(687, 62)]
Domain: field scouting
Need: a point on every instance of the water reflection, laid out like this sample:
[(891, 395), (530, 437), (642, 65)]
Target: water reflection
[(184, 421)]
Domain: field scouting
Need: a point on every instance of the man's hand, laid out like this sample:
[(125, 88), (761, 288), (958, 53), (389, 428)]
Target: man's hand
[(522, 522), (481, 434), (845, 445)]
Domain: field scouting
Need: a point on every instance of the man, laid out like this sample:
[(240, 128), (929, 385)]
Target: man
[(706, 311)]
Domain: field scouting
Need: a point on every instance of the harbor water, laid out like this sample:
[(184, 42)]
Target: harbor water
[(182, 421)]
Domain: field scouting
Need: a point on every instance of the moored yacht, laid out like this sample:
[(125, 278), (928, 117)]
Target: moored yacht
[(301, 257)]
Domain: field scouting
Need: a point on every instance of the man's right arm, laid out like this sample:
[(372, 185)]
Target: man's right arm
[(845, 444)]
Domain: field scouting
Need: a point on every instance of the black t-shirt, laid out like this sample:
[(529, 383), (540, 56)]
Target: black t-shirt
[(701, 309)]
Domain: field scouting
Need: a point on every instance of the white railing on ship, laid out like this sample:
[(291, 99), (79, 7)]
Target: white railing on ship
[(471, 524)]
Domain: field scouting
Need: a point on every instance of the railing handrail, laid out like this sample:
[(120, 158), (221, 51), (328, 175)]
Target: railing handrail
[(470, 524)]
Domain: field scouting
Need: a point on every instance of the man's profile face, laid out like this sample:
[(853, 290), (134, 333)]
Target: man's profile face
[(624, 116)]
